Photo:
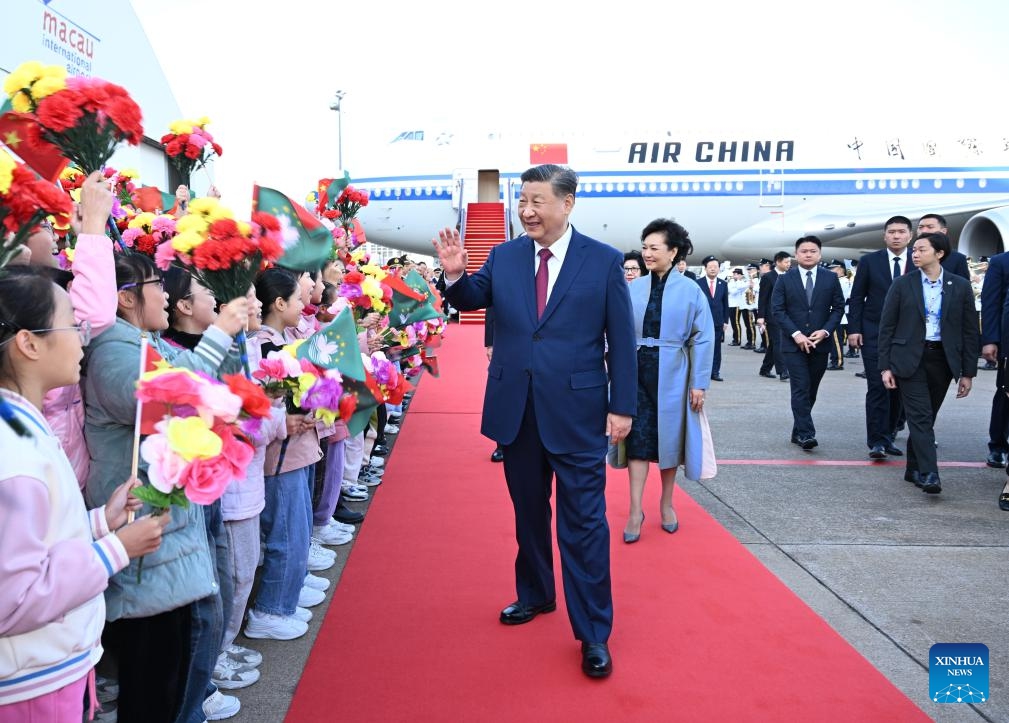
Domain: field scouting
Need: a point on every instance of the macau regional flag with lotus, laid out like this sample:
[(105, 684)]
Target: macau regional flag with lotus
[(307, 243)]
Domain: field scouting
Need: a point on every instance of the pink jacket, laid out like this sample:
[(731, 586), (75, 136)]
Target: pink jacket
[(93, 293)]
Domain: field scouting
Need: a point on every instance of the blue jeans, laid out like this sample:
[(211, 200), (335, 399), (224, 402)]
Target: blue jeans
[(286, 525)]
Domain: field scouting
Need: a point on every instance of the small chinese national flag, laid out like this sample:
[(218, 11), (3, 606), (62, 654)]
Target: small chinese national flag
[(540, 153), (46, 159), (152, 412)]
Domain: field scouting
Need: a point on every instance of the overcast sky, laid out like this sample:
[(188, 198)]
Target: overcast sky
[(265, 73)]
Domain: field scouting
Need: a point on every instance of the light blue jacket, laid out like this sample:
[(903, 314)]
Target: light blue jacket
[(181, 571)]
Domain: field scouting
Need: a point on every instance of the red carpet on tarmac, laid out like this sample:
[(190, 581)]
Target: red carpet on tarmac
[(702, 631)]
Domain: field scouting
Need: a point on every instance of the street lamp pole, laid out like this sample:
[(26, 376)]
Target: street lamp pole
[(335, 105)]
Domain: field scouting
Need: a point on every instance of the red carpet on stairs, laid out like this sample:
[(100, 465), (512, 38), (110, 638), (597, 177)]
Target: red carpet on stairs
[(702, 631)]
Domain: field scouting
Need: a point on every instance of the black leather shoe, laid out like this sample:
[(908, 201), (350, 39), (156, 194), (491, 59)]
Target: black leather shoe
[(877, 452), (346, 515), (893, 451), (860, 374), (835, 367), (996, 460), (379, 450), (783, 377), (717, 378), (518, 612), (497, 455), (851, 354), (930, 483), (1003, 501), (769, 375), (912, 475), (761, 350), (748, 347), (596, 660), (807, 443), (733, 343)]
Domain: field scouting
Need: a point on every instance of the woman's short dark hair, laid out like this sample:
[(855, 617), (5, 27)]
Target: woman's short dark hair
[(273, 284), (939, 241), (677, 237), (179, 285), (27, 301), (134, 268), (636, 257)]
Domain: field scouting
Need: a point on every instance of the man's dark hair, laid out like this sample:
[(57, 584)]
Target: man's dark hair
[(939, 241), (903, 220), (808, 240), (676, 237), (781, 255), (937, 217), (563, 181)]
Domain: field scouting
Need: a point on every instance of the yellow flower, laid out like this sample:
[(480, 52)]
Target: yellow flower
[(371, 287), (180, 126), (21, 102), (244, 228), (70, 173), (305, 383), (203, 122), (70, 254), (191, 438), (7, 165), (49, 84), (372, 270), (192, 223), (142, 220), (22, 77), (186, 241), (130, 173), (292, 348), (75, 194)]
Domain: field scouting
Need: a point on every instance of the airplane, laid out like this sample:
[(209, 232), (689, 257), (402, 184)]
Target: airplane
[(741, 196)]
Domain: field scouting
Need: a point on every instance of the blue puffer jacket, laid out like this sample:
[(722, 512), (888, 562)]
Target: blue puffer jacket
[(182, 569)]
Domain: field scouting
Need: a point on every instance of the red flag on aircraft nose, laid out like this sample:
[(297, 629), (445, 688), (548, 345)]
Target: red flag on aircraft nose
[(540, 153)]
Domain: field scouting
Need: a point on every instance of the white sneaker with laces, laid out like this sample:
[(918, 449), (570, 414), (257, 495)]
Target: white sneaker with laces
[(309, 597), (331, 536), (318, 559), (353, 493), (302, 614), (274, 627), (341, 525), (229, 675), (220, 706), (244, 656), (317, 543), (316, 583), (392, 429), (377, 462), (371, 480)]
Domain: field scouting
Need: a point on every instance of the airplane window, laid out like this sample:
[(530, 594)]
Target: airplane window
[(409, 191), (959, 183), (620, 188), (665, 186), (697, 186), (707, 186), (651, 187), (937, 183), (982, 183), (718, 185), (893, 184), (903, 183), (871, 184), (915, 183), (859, 184), (427, 191), (739, 185)]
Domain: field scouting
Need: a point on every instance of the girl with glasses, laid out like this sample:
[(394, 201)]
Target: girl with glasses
[(178, 603), (55, 557)]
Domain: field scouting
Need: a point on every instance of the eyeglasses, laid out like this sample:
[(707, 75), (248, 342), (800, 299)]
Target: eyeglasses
[(137, 284), (632, 270), (83, 330)]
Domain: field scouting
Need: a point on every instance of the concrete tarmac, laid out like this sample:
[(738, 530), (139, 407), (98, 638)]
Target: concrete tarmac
[(892, 569)]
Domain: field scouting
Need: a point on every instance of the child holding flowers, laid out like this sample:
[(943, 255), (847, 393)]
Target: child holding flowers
[(286, 518), (159, 611), (55, 557)]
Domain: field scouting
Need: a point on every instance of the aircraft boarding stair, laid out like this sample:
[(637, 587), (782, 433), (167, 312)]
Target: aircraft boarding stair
[(485, 228)]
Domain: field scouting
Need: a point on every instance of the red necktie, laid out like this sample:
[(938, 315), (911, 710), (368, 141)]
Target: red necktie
[(711, 285), (542, 277)]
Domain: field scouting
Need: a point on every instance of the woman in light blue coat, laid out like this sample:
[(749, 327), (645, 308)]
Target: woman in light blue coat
[(675, 339)]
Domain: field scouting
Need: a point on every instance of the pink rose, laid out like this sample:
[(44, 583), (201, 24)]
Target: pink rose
[(216, 400), (236, 450), (206, 479), (164, 466), (175, 388)]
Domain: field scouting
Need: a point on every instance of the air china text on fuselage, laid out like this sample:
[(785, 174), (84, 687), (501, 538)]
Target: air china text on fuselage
[(651, 152)]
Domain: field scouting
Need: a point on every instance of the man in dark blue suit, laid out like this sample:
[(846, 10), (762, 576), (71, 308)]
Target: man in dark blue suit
[(876, 272), (993, 296), (807, 304), (716, 291), (956, 262), (552, 399)]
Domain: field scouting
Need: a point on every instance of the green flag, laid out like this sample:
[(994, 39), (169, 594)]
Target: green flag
[(367, 400), (333, 190), (407, 309), (307, 243), (335, 347)]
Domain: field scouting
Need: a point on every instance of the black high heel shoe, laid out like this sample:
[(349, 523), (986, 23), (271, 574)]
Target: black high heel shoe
[(629, 538)]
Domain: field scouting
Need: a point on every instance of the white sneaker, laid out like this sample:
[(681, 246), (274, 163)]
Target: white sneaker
[(318, 559), (331, 536), (244, 656), (371, 480), (220, 706), (317, 543), (351, 492), (106, 689), (309, 598), (302, 614), (341, 525), (391, 429), (377, 462), (229, 675), (274, 627), (316, 583)]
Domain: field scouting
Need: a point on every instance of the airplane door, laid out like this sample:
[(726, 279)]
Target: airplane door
[(465, 187), (772, 187), (488, 186)]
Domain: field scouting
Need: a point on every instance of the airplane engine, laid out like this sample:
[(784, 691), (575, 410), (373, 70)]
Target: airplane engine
[(985, 233)]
